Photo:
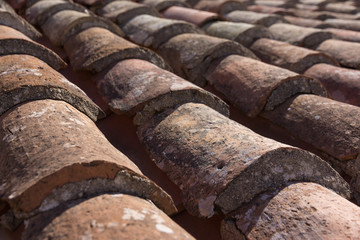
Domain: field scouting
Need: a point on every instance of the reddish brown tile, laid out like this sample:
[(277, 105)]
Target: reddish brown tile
[(69, 22), (83, 162), (115, 216), (150, 31), (276, 3), (38, 13), (220, 6), (14, 42), (94, 49), (254, 86), (197, 17), (269, 9), (299, 211), (9, 18), (24, 78), (190, 54), (320, 15), (340, 8), (218, 162), (288, 56), (342, 84), (161, 5), (243, 33), (300, 36), (305, 22), (137, 86), (346, 53), (254, 18), (344, 24)]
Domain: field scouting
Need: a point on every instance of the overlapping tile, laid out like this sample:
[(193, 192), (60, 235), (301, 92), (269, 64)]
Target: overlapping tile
[(288, 56), (346, 35), (116, 216), (304, 22), (344, 24), (302, 210), (24, 78), (220, 6), (96, 48), (254, 18), (15, 42), (161, 5)]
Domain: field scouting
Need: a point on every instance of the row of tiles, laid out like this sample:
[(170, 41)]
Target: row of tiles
[(150, 111)]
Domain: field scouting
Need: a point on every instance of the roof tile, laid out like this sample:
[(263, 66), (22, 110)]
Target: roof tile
[(254, 18), (304, 22), (346, 35), (344, 24), (161, 5), (220, 6), (94, 49), (14, 42)]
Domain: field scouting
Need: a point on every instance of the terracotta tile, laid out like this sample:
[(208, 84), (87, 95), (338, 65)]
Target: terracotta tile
[(94, 49), (305, 22), (276, 3), (299, 36), (191, 54), (136, 86), (346, 53), (243, 33), (24, 78), (345, 15), (344, 24), (220, 6), (17, 4), (288, 56), (342, 84), (83, 162), (122, 11), (9, 18), (255, 86), (14, 42), (320, 15), (197, 17), (115, 216), (151, 31), (340, 8), (69, 22), (299, 211), (88, 2), (29, 3), (306, 7), (38, 13), (329, 125), (254, 18), (219, 164), (269, 9), (161, 5)]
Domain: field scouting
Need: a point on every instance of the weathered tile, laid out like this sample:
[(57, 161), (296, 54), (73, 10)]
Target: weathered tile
[(219, 6), (329, 125), (24, 78), (269, 9), (320, 15), (136, 86), (9, 18), (88, 2), (342, 84), (38, 13), (161, 5), (110, 216), (346, 53), (51, 153), (276, 3), (344, 24), (69, 22), (122, 11), (191, 54), (299, 211), (300, 36), (197, 17), (288, 56), (254, 18), (15, 42), (340, 8), (254, 86), (305, 22), (151, 31), (96, 48), (219, 164), (243, 33)]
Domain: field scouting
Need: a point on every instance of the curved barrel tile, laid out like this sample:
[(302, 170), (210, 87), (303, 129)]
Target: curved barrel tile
[(254, 86), (220, 6), (136, 86), (14, 42), (24, 78), (161, 5), (263, 19), (94, 49), (110, 216), (220, 164), (51, 153), (191, 54), (346, 35), (288, 56), (347, 24)]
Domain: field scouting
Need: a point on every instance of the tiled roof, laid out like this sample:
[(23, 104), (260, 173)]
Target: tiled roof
[(232, 119)]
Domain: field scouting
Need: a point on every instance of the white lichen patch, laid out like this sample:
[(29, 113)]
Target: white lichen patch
[(69, 145), (77, 121), (112, 224), (42, 112), (131, 214), (48, 204), (317, 117), (206, 206), (21, 71), (10, 136), (162, 228)]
